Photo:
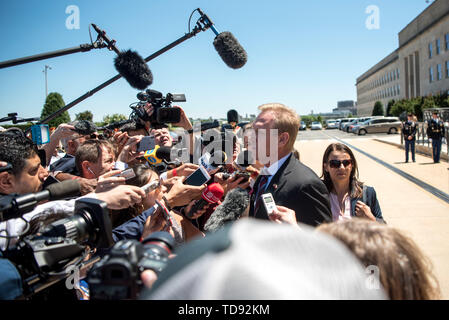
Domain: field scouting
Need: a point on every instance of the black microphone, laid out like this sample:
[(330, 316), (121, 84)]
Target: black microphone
[(231, 209), (14, 206), (134, 69), (230, 50), (227, 46)]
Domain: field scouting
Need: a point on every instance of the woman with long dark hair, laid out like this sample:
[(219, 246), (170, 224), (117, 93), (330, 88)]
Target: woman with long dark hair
[(348, 196)]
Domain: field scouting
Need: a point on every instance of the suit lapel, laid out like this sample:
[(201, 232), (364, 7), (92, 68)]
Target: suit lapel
[(278, 180)]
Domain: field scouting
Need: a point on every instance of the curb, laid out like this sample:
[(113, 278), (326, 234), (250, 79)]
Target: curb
[(422, 150)]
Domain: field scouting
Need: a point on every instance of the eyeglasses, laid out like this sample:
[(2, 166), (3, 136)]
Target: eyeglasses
[(337, 163)]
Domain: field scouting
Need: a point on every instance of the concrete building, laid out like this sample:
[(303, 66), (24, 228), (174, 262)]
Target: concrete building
[(346, 107), (419, 67)]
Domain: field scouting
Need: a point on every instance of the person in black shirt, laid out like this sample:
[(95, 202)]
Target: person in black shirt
[(435, 132), (409, 132)]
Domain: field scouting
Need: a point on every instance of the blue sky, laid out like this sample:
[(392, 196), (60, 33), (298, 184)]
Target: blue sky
[(306, 54)]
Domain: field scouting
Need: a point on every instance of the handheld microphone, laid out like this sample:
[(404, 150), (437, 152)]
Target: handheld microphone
[(227, 46), (231, 209), (14, 206), (133, 68), (157, 155), (212, 194)]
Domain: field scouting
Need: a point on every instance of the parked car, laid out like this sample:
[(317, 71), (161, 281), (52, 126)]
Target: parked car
[(343, 121), (302, 126), (348, 126), (353, 127), (331, 124), (316, 125), (380, 125), (345, 126)]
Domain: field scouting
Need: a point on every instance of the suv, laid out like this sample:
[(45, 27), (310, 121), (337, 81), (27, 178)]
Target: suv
[(379, 125)]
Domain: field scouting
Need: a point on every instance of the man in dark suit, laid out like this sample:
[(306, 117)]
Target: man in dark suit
[(292, 184)]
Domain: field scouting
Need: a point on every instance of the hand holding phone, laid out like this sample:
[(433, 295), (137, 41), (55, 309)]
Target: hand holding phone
[(147, 143), (198, 177), (268, 202), (127, 174)]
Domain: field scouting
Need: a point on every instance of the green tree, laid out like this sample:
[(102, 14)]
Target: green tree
[(417, 104), (86, 115), (389, 106), (378, 109), (53, 103), (116, 117), (319, 119), (400, 106)]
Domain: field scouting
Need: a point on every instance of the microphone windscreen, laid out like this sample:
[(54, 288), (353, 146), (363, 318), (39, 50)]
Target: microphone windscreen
[(163, 153), (64, 189), (232, 208), (230, 50), (134, 69)]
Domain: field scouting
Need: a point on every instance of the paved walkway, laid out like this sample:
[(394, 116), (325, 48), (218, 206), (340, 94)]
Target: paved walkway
[(405, 205)]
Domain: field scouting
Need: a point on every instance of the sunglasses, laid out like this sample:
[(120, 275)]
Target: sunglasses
[(337, 163)]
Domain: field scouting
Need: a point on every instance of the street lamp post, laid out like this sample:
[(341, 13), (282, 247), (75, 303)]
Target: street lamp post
[(45, 71)]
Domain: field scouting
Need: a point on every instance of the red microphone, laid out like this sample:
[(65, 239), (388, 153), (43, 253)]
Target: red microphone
[(212, 194)]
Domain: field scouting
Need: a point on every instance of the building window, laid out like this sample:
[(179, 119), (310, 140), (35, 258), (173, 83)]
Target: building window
[(439, 73), (398, 73), (399, 89), (446, 40), (447, 69), (430, 74), (438, 46), (430, 50)]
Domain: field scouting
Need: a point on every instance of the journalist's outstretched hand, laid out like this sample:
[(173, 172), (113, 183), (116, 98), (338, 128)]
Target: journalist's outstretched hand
[(129, 152), (184, 170), (86, 185), (120, 138), (181, 194), (283, 215), (63, 131), (107, 182), (122, 197)]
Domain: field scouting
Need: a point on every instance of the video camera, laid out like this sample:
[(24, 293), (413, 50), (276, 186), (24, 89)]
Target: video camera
[(45, 258), (117, 275), (62, 247), (163, 111)]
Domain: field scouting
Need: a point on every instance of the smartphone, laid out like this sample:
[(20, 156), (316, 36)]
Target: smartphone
[(127, 174), (147, 143), (198, 178), (268, 202)]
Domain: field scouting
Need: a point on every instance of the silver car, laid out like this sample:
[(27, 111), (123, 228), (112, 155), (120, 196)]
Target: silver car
[(379, 125)]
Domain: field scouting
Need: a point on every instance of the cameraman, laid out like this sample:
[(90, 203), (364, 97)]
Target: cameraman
[(27, 176), (27, 173), (72, 135), (162, 134)]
